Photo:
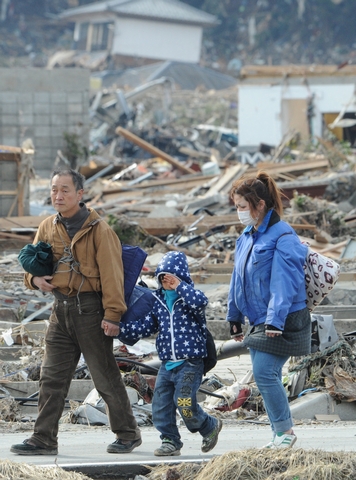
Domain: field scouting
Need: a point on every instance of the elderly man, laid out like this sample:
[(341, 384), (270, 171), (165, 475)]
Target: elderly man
[(88, 286)]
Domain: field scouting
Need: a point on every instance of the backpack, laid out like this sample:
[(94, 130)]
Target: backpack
[(321, 274), (133, 259)]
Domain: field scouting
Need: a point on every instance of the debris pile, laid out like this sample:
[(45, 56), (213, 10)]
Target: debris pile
[(179, 122), (332, 368), (164, 185)]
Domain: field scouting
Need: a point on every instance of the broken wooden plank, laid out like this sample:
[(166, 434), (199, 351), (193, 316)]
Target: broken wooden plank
[(223, 277), (303, 226), (186, 182), (194, 153), (284, 71), (15, 236), (333, 247), (8, 148), (151, 149), (297, 167), (8, 223), (168, 225), (330, 147), (208, 278), (8, 192), (157, 226), (330, 249), (347, 277), (226, 179)]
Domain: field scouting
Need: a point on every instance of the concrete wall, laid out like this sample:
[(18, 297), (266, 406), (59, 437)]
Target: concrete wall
[(42, 105)]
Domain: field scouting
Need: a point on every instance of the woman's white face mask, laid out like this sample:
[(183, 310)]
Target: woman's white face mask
[(246, 218)]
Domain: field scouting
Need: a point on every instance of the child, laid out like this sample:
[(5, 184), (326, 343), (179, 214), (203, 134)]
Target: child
[(178, 317)]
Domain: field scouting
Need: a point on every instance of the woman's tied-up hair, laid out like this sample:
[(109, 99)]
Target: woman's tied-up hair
[(257, 188)]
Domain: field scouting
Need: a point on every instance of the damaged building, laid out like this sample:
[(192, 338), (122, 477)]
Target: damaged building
[(160, 30), (275, 101)]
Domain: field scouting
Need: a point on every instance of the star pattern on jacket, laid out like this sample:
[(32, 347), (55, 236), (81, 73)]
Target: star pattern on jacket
[(182, 331)]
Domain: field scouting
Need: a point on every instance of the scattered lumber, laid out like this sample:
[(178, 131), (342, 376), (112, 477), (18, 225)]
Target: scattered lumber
[(225, 180), (329, 147), (150, 148), (188, 181)]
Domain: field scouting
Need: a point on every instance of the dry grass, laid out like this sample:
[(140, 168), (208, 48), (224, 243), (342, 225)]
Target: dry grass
[(257, 464), (22, 471)]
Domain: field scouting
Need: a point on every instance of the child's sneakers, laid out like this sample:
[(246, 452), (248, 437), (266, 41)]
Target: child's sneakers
[(167, 449), (283, 440), (211, 440)]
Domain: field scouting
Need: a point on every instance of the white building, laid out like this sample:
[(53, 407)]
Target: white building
[(276, 100), (152, 29)]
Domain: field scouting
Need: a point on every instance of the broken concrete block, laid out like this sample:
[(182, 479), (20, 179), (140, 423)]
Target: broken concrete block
[(321, 403)]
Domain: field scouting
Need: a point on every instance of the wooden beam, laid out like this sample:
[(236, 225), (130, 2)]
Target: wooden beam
[(8, 148), (165, 226), (9, 223), (154, 226), (8, 192), (276, 169), (150, 148), (225, 180), (186, 182), (330, 147), (14, 236), (220, 275)]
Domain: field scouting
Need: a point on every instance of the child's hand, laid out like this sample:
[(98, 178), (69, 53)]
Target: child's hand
[(171, 281)]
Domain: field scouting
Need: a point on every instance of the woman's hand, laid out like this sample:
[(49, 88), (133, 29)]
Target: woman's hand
[(236, 331), (272, 331)]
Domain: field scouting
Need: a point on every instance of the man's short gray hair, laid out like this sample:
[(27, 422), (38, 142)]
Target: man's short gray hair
[(78, 178)]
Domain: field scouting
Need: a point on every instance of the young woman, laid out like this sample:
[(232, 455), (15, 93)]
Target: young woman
[(268, 288)]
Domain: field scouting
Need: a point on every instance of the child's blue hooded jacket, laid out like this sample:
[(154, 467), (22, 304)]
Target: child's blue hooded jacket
[(182, 331)]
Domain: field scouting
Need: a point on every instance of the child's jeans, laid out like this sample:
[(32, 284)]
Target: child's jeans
[(177, 389)]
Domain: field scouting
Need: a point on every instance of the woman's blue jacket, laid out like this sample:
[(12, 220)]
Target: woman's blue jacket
[(268, 278)]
